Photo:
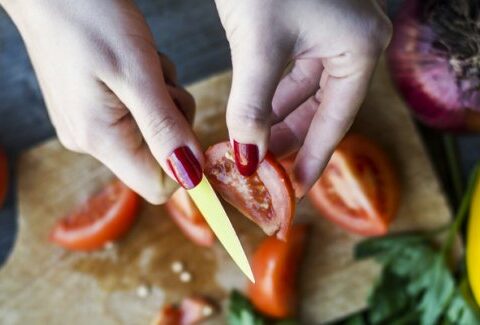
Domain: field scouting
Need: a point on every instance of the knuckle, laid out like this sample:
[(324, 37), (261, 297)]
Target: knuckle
[(299, 76), (162, 128), (250, 116), (88, 139), (131, 65), (372, 38)]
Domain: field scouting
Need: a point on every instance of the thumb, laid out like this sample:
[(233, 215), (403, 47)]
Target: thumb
[(256, 75)]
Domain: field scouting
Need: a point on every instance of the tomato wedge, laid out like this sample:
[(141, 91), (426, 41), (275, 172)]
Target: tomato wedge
[(359, 188), (266, 197), (3, 177), (275, 265), (192, 310), (196, 309), (189, 219), (105, 217), (168, 315)]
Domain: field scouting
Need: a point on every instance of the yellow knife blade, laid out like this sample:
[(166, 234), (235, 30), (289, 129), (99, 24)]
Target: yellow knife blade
[(212, 210)]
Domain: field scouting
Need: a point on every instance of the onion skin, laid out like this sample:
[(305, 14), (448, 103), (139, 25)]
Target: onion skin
[(435, 63)]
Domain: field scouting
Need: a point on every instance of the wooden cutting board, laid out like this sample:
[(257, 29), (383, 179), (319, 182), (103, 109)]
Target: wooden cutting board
[(43, 284)]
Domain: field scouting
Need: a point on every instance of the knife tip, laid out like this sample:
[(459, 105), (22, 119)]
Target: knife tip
[(250, 276)]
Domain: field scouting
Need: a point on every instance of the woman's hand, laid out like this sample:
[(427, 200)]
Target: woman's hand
[(334, 47), (109, 93)]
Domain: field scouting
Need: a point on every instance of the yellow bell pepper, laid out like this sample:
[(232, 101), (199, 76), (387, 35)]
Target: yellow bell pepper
[(473, 243)]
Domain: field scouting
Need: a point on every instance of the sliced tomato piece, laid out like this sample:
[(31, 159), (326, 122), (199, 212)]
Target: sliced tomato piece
[(359, 188), (3, 177), (266, 197), (168, 315), (275, 266), (196, 309), (192, 310), (189, 219), (105, 217)]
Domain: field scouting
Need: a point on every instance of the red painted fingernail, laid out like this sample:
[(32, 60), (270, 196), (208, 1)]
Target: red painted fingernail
[(185, 167), (246, 158)]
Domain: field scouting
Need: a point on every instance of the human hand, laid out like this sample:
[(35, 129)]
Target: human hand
[(109, 93), (334, 47)]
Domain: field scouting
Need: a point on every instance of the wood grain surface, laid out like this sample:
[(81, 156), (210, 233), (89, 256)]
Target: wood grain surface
[(44, 284)]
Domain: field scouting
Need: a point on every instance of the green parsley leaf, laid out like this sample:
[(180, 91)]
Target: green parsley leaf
[(416, 285), (463, 309), (241, 311), (438, 288), (389, 298), (356, 319)]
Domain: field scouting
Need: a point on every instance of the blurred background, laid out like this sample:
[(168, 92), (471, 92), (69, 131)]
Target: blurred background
[(190, 33)]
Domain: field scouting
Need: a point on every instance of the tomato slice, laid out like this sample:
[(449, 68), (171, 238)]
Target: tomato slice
[(266, 197), (105, 217), (196, 309), (189, 219), (168, 315), (275, 265), (3, 177), (359, 188), (192, 310)]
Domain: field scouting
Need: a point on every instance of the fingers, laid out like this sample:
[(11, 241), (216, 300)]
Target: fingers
[(164, 128), (169, 69), (182, 98), (288, 135), (340, 101), (121, 148), (296, 87), (184, 101), (255, 77)]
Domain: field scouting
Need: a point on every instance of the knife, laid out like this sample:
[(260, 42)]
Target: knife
[(212, 210)]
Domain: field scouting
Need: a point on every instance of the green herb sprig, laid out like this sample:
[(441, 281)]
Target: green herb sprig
[(417, 284), (241, 312)]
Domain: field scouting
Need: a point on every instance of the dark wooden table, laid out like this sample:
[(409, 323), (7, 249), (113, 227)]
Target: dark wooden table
[(189, 31)]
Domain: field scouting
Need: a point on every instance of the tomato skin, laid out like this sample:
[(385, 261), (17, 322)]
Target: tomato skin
[(359, 189), (266, 197), (192, 310), (168, 315), (3, 177), (275, 265), (189, 219), (105, 217)]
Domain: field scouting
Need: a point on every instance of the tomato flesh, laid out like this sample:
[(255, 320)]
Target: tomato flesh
[(168, 315), (105, 217), (358, 189), (195, 310), (275, 266), (266, 197), (192, 310), (3, 177), (189, 219), (250, 192)]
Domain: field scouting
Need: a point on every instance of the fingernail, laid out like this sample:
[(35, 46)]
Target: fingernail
[(246, 157), (185, 167)]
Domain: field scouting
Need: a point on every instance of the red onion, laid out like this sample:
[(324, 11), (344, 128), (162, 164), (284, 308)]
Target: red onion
[(434, 58)]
